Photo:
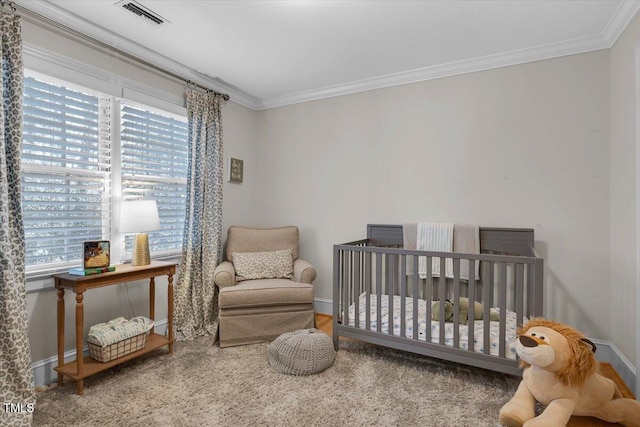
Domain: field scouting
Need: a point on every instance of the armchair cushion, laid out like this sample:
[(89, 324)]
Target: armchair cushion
[(265, 293), (263, 265)]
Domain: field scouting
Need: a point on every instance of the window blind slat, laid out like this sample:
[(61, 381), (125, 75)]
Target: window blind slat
[(53, 90)]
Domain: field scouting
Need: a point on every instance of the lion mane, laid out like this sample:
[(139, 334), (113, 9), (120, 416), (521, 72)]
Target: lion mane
[(582, 361)]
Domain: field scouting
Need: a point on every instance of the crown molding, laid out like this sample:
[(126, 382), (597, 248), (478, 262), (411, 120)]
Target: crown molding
[(51, 14), (442, 70), (619, 21)]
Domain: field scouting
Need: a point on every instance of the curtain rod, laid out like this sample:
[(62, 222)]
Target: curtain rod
[(103, 45)]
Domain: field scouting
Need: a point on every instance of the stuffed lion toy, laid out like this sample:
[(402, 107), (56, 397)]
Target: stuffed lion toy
[(560, 372)]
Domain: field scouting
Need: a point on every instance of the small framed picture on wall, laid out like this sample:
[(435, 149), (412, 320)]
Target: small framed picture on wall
[(236, 170)]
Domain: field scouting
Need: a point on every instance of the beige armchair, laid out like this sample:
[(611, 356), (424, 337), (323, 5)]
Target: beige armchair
[(265, 289)]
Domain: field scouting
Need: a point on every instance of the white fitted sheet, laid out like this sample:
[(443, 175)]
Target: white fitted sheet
[(478, 346)]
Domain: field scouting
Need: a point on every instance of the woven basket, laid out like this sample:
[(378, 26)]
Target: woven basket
[(117, 349)]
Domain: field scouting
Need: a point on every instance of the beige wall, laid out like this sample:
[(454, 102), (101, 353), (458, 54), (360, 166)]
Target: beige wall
[(132, 299), (521, 146), (624, 192)]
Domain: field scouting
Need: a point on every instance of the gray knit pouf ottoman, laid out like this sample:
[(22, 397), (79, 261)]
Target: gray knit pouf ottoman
[(302, 352)]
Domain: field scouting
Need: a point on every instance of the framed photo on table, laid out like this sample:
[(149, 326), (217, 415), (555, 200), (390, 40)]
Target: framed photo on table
[(96, 254)]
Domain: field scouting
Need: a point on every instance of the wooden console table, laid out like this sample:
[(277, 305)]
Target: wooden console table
[(84, 367)]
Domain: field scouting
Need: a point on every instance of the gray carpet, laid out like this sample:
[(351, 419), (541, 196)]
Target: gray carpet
[(204, 385)]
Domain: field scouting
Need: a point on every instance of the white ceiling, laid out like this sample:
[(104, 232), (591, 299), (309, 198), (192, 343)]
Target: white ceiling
[(271, 53)]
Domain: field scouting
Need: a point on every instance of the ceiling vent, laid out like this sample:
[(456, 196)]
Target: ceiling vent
[(142, 11)]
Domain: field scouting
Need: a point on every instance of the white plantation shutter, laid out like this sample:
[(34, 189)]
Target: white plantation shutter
[(154, 160), (68, 176), (66, 191)]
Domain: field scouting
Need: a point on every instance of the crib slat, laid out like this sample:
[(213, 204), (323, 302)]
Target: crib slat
[(336, 293), (492, 281), (472, 299), (502, 289), (511, 288), (367, 302), (456, 297), (378, 292), (391, 288), (428, 285), (367, 272), (442, 295), (415, 297), (519, 294), (403, 295), (357, 286), (530, 296), (487, 286), (537, 288), (346, 280), (351, 282)]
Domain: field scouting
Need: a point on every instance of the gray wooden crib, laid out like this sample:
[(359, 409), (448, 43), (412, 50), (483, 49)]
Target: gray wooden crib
[(380, 298)]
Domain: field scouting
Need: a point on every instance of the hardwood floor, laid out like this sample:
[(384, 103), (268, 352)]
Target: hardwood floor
[(324, 323)]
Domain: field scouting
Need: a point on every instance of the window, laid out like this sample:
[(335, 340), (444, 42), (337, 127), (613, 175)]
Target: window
[(71, 140), (154, 163), (65, 172)]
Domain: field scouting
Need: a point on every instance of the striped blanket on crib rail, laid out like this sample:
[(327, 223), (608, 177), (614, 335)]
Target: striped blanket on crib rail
[(436, 237)]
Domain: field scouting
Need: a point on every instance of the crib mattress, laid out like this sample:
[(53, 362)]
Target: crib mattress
[(478, 344)]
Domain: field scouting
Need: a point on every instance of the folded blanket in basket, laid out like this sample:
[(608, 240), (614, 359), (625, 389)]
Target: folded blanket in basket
[(118, 329)]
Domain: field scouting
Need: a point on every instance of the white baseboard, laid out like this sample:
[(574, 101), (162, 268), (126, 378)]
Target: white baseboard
[(43, 372), (610, 353), (323, 306)]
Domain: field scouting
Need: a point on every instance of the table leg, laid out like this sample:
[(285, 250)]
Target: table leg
[(152, 298), (170, 311), (60, 316), (79, 336)]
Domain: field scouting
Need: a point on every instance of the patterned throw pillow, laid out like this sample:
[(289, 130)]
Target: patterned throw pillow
[(263, 265)]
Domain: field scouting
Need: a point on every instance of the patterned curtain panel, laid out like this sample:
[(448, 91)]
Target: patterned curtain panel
[(17, 394), (196, 300)]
